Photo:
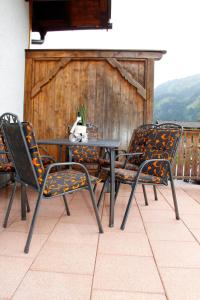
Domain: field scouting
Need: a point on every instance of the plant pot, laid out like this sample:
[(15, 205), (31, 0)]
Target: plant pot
[(81, 129)]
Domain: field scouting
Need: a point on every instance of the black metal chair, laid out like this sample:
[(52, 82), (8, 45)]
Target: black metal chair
[(129, 159), (154, 166), (29, 170), (7, 168)]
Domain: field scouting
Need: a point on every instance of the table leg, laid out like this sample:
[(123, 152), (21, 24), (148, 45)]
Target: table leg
[(112, 187), (60, 153), (70, 154)]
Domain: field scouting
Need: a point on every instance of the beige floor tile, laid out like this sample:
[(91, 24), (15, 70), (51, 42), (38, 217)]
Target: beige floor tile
[(12, 271), (80, 217), (177, 254), (75, 234), (5, 194), (120, 208), (81, 201), (186, 203), (112, 295), (124, 243), (191, 220), (196, 233), (193, 191), (181, 284), (153, 205), (158, 216), (55, 286), (52, 208), (127, 273), (134, 224), (43, 225), (174, 231), (66, 258), (12, 244), (14, 217)]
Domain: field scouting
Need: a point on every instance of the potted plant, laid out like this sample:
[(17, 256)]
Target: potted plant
[(79, 128)]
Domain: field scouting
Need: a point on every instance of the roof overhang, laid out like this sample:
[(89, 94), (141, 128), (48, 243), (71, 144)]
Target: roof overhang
[(52, 15)]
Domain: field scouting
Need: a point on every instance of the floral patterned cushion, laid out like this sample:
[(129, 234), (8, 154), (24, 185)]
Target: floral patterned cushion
[(138, 143), (85, 154), (128, 176), (6, 166), (34, 152), (65, 181)]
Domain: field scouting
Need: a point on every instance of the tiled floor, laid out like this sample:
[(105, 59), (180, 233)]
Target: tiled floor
[(155, 258)]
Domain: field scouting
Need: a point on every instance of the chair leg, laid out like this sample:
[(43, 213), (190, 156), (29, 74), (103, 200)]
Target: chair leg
[(28, 241), (95, 187), (23, 202), (9, 205), (66, 205), (155, 193), (174, 196), (117, 186), (128, 206), (95, 209), (25, 198), (101, 194), (145, 195)]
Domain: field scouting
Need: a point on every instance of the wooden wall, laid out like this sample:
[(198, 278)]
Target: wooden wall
[(115, 85)]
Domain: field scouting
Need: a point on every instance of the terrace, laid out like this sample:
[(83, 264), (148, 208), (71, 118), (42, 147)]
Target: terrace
[(156, 257)]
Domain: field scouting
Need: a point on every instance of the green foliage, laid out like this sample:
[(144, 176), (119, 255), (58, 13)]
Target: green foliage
[(178, 100), (83, 113)]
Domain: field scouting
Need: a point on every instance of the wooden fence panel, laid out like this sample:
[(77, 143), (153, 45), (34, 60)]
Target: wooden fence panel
[(188, 156)]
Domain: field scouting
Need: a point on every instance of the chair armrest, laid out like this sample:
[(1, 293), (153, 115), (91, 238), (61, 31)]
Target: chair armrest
[(153, 160), (127, 155), (55, 165), (146, 162)]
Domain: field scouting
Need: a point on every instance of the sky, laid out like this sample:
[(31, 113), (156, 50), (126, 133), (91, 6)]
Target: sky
[(171, 25)]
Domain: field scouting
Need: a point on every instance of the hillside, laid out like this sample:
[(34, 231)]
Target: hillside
[(178, 100)]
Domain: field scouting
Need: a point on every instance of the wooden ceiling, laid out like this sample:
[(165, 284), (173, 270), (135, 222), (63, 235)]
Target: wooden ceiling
[(52, 15)]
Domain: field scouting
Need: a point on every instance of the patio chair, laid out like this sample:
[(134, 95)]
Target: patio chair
[(29, 170), (154, 166), (129, 159), (89, 156), (7, 167)]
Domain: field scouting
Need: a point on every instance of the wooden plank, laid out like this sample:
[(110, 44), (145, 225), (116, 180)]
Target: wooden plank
[(180, 161), (149, 71), (188, 146), (195, 140), (79, 53)]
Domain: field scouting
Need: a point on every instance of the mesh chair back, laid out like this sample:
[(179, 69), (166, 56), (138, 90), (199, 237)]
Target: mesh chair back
[(17, 145), (34, 151), (155, 141), (162, 143), (139, 141)]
